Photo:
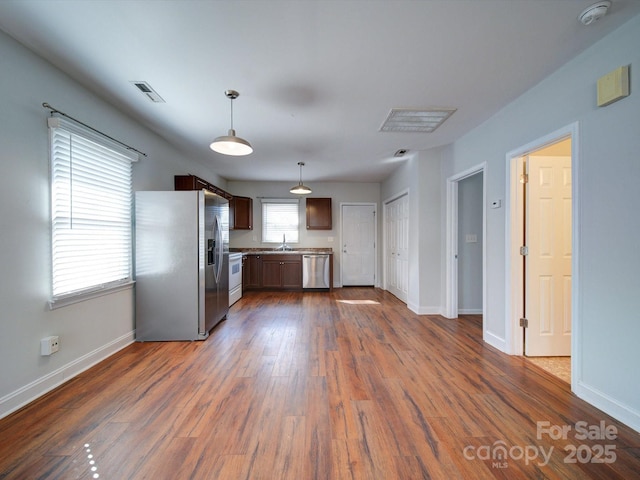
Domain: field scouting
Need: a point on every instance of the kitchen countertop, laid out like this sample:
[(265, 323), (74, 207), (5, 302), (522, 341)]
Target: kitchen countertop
[(263, 251)]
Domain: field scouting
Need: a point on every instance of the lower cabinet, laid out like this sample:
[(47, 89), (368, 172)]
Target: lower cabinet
[(275, 272), (251, 272), (282, 271)]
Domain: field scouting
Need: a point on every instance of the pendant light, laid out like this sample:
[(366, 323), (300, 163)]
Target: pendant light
[(300, 189), (230, 144)]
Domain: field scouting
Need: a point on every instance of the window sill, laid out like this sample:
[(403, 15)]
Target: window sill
[(70, 299)]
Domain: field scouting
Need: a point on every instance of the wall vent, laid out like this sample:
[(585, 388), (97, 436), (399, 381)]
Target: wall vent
[(149, 92)]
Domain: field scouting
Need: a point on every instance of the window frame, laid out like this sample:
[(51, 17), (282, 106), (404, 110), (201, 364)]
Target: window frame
[(123, 225), (265, 224)]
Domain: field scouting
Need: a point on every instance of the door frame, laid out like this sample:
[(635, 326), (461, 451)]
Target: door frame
[(376, 280), (451, 243), (513, 230)]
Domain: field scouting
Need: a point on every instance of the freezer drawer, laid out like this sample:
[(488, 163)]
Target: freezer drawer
[(315, 271)]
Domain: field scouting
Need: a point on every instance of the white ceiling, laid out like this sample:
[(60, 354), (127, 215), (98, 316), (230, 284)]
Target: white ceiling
[(316, 78)]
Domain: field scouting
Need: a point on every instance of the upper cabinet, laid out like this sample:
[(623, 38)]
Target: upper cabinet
[(191, 182), (319, 214), (241, 213), (240, 208)]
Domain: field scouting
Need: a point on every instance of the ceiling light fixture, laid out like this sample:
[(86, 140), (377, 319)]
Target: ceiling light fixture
[(230, 144), (300, 189), (595, 12)]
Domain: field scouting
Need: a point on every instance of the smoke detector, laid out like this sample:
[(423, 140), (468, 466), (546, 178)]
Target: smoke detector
[(595, 12)]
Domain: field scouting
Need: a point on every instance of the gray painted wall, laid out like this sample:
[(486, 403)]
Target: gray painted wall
[(420, 176)]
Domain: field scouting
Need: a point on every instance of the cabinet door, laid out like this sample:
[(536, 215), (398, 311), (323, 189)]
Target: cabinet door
[(292, 274), (252, 272), (319, 214), (241, 213), (189, 182), (272, 272)]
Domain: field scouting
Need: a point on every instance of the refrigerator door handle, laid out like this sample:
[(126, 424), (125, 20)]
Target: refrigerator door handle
[(219, 247)]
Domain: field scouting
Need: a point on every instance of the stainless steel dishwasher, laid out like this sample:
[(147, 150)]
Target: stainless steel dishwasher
[(315, 271)]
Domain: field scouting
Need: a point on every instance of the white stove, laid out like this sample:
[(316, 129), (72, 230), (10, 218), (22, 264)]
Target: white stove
[(235, 277)]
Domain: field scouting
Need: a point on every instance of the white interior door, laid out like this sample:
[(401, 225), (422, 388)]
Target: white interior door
[(548, 262), (358, 245), (397, 247)]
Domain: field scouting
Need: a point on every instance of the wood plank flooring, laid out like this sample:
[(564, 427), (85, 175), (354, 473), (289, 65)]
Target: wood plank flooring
[(315, 385)]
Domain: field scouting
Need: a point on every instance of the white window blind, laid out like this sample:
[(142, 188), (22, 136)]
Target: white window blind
[(280, 217), (91, 204)]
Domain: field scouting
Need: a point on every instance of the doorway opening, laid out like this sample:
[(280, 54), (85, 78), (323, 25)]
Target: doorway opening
[(540, 263), (470, 217), (466, 246)]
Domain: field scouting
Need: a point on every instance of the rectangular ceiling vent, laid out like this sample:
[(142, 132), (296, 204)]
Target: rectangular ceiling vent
[(145, 88), (415, 120)]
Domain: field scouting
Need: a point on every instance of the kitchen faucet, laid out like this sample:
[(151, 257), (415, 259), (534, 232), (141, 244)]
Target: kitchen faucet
[(284, 245)]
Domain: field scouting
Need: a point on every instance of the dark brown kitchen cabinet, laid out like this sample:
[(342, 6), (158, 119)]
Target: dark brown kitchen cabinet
[(241, 213), (251, 272), (191, 182), (282, 272), (319, 214)]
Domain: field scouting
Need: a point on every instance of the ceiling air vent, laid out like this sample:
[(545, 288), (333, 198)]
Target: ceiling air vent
[(145, 88), (415, 120)]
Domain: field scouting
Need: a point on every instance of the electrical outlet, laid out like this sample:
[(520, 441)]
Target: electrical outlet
[(49, 345)]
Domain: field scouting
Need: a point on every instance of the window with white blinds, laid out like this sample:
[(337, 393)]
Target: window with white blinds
[(91, 204), (280, 217)]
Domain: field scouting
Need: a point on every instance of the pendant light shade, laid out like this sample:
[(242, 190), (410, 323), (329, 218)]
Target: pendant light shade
[(300, 189), (231, 144)]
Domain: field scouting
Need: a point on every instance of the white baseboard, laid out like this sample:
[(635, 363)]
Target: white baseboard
[(24, 395), (495, 341), (608, 405), (424, 310), (470, 311)]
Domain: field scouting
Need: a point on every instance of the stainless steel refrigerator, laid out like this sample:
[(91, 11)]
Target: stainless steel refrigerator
[(181, 264)]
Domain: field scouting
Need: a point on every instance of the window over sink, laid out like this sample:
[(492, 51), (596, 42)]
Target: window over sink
[(280, 219)]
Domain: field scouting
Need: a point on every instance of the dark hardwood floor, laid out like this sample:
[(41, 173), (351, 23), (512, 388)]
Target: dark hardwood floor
[(317, 386)]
